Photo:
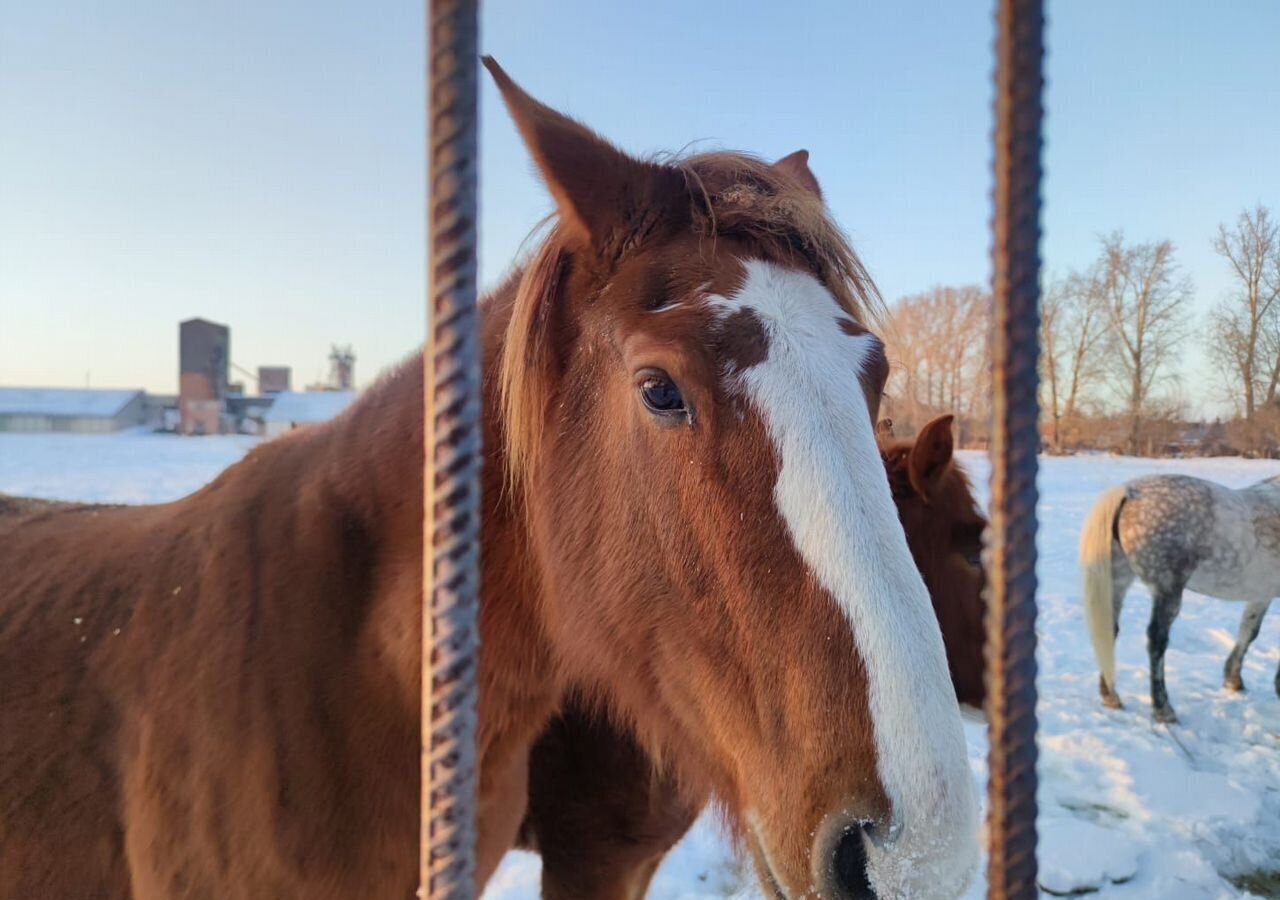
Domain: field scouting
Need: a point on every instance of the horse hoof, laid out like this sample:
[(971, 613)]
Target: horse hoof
[(1112, 701), (1234, 685), (1165, 716)]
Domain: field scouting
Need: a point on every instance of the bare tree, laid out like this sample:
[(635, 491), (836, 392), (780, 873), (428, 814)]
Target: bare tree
[(1073, 331), (1146, 298), (937, 346), (1051, 303), (1245, 327), (1271, 353)]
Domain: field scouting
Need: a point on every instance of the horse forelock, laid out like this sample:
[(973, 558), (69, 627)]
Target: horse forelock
[(730, 195), (739, 194)]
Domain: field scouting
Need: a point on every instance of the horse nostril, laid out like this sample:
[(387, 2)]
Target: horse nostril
[(849, 866)]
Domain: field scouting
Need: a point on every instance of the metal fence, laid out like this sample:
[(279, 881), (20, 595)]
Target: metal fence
[(451, 492), (451, 485), (1015, 438)]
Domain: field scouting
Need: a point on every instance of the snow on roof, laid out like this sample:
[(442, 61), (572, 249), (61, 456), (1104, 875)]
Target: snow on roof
[(22, 401), (308, 406)]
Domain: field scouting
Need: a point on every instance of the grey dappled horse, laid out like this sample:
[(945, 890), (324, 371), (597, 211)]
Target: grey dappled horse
[(1175, 532)]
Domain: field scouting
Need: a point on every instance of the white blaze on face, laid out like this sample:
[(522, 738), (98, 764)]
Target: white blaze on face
[(834, 496)]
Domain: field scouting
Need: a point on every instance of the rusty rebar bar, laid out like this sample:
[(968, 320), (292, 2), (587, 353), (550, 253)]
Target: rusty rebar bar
[(1011, 616), (451, 486)]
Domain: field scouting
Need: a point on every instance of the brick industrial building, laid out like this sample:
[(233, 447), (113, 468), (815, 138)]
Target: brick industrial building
[(274, 380), (204, 361), (208, 402)]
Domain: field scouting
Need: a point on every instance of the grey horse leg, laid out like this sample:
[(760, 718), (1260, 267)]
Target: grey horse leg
[(1121, 581), (1165, 606), (1250, 623)]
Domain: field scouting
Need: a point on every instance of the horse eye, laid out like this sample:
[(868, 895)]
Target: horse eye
[(968, 544), (661, 395)]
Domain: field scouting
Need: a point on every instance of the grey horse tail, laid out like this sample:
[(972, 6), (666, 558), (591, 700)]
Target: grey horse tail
[(1096, 539)]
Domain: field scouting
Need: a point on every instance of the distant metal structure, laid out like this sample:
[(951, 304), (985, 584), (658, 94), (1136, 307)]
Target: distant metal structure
[(342, 368), (451, 431), (1015, 441)]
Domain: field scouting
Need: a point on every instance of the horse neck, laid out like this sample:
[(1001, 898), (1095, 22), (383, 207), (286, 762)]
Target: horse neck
[(959, 608), (372, 458), (373, 455)]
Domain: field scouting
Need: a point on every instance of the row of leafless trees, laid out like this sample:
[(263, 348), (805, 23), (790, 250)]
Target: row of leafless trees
[(1111, 336), (1113, 329), (937, 344), (1244, 329)]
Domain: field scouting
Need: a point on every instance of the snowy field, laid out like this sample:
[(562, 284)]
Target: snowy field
[(1127, 809), (130, 467)]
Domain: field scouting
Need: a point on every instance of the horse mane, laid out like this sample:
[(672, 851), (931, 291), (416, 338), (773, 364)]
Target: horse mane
[(730, 195)]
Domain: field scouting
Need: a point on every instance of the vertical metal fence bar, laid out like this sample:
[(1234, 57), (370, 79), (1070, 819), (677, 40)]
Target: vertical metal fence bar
[(1011, 636), (451, 432)]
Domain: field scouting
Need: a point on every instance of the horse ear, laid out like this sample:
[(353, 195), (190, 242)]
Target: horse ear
[(931, 454), (796, 165), (600, 191)]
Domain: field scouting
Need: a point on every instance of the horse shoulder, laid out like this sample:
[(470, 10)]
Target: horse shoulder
[(193, 685), (60, 613)]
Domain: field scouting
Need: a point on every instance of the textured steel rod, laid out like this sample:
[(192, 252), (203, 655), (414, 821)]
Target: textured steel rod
[(451, 487), (1011, 616)]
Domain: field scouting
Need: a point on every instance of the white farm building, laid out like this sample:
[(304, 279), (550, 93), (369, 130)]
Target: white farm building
[(291, 409), (79, 410)]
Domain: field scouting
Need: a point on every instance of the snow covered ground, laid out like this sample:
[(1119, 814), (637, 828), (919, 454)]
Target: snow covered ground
[(127, 467), (1127, 809)]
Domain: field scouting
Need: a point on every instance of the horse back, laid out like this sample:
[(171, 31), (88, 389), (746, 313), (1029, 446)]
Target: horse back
[(179, 690), (1178, 531)]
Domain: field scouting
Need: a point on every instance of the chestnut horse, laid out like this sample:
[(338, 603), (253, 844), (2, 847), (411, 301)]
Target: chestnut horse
[(602, 814), (944, 526), (685, 518)]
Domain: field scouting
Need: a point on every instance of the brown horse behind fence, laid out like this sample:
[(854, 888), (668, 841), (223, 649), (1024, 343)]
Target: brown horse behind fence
[(944, 526), (685, 518), (602, 815)]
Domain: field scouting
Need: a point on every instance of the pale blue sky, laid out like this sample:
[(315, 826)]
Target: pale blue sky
[(261, 164)]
